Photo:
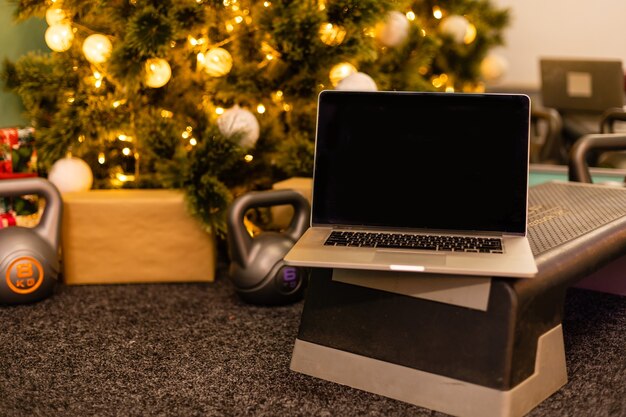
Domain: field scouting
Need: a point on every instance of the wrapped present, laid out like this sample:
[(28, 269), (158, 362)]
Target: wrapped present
[(17, 152), (7, 219), (133, 236), (18, 159)]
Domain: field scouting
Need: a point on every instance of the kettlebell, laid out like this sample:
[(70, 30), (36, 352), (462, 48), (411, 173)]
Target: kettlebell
[(257, 268), (29, 257)]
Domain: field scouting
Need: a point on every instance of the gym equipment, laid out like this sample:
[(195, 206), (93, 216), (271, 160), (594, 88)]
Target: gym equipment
[(257, 268), (29, 257)]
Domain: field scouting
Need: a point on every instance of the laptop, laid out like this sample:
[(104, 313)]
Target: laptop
[(420, 182), (582, 85)]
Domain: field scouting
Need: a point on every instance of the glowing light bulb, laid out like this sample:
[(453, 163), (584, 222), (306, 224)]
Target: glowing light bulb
[(260, 109), (437, 13), (158, 72), (101, 158), (59, 37), (97, 48)]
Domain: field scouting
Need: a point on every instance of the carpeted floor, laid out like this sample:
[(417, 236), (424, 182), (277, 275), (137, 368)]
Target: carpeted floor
[(197, 350)]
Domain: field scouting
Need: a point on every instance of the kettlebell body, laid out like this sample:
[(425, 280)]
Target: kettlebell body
[(257, 268), (29, 257)]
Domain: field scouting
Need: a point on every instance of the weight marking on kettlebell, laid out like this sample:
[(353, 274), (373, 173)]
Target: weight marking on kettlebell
[(24, 275)]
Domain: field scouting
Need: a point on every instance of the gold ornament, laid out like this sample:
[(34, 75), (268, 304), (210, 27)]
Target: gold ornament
[(59, 37), (341, 71), (97, 48), (332, 35), (55, 15), (217, 62), (158, 72)]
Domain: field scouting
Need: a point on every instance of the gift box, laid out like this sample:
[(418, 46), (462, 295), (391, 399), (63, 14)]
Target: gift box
[(133, 236), (18, 160), (17, 152), (281, 215)]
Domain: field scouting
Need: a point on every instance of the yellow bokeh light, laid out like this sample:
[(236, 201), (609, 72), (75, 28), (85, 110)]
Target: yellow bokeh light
[(470, 34), (126, 151), (267, 4), (341, 71), (166, 114), (193, 142), (248, 158), (260, 109), (437, 13), (332, 35), (219, 110), (410, 15), (185, 134), (101, 158)]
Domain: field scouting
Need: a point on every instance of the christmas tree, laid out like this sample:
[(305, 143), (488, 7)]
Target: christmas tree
[(219, 97)]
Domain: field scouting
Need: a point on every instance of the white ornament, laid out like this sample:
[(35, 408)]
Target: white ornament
[(55, 14), (71, 174), (394, 30), (238, 121), (455, 26), (97, 48), (59, 37), (158, 72), (493, 67), (358, 81)]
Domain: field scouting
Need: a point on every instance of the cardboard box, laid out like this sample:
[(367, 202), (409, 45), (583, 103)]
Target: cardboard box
[(281, 215), (133, 236)]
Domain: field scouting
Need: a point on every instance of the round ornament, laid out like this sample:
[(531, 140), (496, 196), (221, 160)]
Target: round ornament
[(54, 15), (238, 121), (59, 37), (455, 26), (97, 48), (359, 81), (394, 30), (332, 35), (158, 72), (341, 71), (71, 174), (493, 67), (218, 62)]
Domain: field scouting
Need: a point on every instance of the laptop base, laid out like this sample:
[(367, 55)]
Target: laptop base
[(437, 392)]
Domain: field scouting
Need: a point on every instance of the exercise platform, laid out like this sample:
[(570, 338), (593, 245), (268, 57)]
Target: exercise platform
[(465, 346)]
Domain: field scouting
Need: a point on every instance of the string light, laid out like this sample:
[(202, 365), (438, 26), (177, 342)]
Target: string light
[(219, 110), (410, 15), (101, 158), (260, 109), (437, 13), (126, 151)]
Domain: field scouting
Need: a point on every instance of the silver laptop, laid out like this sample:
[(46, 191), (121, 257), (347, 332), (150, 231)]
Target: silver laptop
[(420, 182), (582, 85)]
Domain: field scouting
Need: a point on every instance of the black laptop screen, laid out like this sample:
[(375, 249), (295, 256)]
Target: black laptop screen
[(448, 161)]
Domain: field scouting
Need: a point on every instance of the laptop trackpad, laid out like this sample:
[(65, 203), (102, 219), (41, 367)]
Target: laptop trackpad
[(403, 258)]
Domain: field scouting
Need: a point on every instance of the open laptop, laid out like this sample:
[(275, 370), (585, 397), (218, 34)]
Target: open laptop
[(583, 85), (447, 172)]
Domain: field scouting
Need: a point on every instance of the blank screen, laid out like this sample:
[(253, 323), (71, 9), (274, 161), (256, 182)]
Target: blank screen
[(448, 161)]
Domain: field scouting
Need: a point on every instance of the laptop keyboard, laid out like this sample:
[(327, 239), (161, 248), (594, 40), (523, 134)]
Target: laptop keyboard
[(410, 241)]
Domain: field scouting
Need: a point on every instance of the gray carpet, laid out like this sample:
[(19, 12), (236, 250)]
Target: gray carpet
[(197, 350)]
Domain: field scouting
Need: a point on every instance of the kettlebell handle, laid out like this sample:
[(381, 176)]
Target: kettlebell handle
[(240, 246), (49, 224)]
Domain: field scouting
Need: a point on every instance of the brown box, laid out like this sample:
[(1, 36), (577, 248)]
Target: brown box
[(133, 236), (281, 215)]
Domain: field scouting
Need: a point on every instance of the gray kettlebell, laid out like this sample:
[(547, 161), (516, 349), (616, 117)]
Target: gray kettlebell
[(29, 257), (257, 268)]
